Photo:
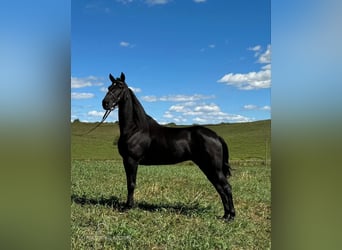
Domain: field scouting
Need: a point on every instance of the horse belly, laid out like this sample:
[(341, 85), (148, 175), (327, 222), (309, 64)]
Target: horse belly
[(162, 154)]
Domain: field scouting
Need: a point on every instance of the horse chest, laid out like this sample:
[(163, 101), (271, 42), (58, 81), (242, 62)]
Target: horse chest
[(133, 146)]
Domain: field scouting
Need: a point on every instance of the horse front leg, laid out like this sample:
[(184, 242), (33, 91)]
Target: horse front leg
[(131, 167)]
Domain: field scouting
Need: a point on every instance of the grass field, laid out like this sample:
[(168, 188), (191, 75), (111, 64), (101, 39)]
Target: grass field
[(176, 206)]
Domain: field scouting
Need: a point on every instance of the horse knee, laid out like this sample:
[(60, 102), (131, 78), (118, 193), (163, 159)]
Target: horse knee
[(131, 186), (228, 187)]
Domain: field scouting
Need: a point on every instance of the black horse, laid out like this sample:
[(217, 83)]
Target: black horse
[(143, 141)]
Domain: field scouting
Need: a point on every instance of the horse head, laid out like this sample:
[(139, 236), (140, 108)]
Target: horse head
[(115, 92)]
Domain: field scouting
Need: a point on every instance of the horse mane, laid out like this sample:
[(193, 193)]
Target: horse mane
[(141, 118)]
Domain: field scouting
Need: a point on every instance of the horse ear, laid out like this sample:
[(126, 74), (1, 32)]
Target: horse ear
[(111, 78), (122, 77)]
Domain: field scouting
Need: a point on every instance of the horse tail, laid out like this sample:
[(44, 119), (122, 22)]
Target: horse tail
[(225, 159)]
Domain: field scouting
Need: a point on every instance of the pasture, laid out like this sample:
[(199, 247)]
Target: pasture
[(176, 206)]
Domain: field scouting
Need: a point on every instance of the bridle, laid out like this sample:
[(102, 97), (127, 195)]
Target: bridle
[(106, 114), (117, 98)]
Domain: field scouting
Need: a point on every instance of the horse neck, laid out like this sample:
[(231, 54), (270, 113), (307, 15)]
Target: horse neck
[(132, 115)]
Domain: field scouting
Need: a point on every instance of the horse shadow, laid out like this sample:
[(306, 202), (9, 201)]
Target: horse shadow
[(115, 203)]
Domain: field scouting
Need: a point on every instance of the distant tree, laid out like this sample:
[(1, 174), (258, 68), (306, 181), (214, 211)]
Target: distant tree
[(76, 120), (171, 124)]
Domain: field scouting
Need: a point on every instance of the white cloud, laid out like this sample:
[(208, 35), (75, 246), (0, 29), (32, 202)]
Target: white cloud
[(76, 95), (96, 113), (124, 44), (201, 113), (255, 48), (149, 98), (250, 107), (199, 120), (157, 2), (267, 66), (263, 57), (135, 90), (81, 82), (255, 107), (74, 117), (168, 115), (266, 56), (252, 80), (207, 108), (190, 109), (125, 1), (248, 81), (98, 7), (210, 46), (104, 89), (185, 98), (177, 98), (180, 119)]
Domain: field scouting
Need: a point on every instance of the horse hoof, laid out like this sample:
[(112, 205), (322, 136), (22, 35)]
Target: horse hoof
[(228, 218), (128, 206)]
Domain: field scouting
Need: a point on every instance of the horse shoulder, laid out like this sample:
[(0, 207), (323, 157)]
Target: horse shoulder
[(134, 145)]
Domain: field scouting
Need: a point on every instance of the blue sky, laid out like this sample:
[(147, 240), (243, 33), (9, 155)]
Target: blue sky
[(188, 61)]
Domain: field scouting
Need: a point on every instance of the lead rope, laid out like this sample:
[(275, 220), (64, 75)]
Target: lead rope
[(97, 125)]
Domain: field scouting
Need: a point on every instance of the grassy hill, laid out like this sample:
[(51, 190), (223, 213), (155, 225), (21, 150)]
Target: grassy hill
[(170, 201), (247, 141)]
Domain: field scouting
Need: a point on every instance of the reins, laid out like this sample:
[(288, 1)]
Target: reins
[(106, 114)]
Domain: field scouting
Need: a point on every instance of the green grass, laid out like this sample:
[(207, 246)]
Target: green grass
[(95, 145), (176, 206)]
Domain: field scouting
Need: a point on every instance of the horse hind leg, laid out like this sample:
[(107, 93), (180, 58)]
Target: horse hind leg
[(230, 214), (223, 188)]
